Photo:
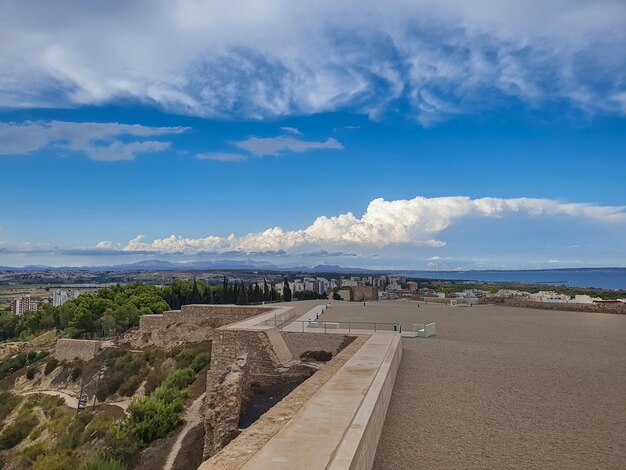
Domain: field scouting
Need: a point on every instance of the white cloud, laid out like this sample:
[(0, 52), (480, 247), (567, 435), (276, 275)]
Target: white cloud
[(261, 146), (413, 222), (293, 130), (104, 245), (222, 156), (99, 141), (253, 59)]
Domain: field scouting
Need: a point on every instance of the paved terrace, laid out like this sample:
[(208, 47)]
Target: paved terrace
[(502, 387)]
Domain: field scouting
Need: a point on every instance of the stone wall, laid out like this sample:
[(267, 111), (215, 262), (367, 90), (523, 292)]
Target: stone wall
[(223, 405), (70, 349), (191, 324), (265, 349), (301, 342), (597, 308), (363, 293)]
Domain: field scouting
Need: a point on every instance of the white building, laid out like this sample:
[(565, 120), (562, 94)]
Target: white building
[(59, 297), (549, 296)]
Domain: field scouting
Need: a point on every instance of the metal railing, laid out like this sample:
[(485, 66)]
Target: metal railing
[(340, 325)]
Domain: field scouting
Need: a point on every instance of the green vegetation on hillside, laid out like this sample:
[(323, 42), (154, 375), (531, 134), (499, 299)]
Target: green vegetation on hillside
[(14, 363), (39, 432), (113, 310)]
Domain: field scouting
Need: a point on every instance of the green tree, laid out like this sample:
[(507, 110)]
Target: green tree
[(286, 291)]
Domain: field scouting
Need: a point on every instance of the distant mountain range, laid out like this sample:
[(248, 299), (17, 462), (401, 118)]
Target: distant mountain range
[(159, 265)]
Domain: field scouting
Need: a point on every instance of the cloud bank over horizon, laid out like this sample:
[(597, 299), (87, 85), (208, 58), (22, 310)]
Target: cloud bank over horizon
[(413, 222), (432, 59), (404, 233)]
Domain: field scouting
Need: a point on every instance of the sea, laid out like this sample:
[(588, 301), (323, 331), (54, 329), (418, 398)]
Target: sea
[(604, 278)]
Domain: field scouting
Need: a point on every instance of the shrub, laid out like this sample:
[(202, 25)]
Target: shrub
[(51, 365), (60, 460), (41, 355), (31, 372), (130, 385), (99, 427), (76, 373), (184, 358), (31, 357), (18, 431), (152, 418), (154, 379), (201, 361), (30, 454), (125, 372), (99, 463), (8, 402), (180, 379)]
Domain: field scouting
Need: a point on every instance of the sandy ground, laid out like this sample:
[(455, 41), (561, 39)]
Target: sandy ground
[(503, 387)]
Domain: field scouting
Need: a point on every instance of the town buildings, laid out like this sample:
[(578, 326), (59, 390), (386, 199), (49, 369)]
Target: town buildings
[(21, 305)]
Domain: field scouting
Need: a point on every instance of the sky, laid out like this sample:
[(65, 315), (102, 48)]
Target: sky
[(436, 135)]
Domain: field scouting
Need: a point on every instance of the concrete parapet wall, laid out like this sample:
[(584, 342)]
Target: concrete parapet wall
[(336, 426), (70, 349), (357, 450), (236, 454)]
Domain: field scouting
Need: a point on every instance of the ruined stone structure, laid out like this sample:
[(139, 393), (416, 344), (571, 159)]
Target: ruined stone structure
[(191, 324), (363, 293), (70, 349), (224, 403), (299, 343)]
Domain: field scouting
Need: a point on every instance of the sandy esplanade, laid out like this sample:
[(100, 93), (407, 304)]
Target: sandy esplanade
[(503, 387)]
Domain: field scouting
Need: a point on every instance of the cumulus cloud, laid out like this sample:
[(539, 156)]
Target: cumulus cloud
[(256, 59), (222, 156), (99, 141), (262, 146), (414, 222)]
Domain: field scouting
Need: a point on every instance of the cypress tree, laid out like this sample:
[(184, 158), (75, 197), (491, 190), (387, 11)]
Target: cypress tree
[(266, 291), (224, 299), (286, 291), (195, 293)]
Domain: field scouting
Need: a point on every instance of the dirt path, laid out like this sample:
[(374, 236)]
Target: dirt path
[(193, 418), (71, 401)]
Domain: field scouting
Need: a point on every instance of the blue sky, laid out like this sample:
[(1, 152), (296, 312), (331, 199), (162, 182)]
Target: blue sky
[(424, 135)]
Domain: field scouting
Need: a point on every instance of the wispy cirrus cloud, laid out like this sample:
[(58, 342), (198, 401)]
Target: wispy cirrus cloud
[(292, 130), (108, 141), (430, 59), (263, 146), (222, 156)]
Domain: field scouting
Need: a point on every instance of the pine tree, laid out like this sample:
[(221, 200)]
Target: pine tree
[(256, 294)]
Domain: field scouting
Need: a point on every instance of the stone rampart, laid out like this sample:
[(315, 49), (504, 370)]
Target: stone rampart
[(70, 349), (363, 293), (191, 324)]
